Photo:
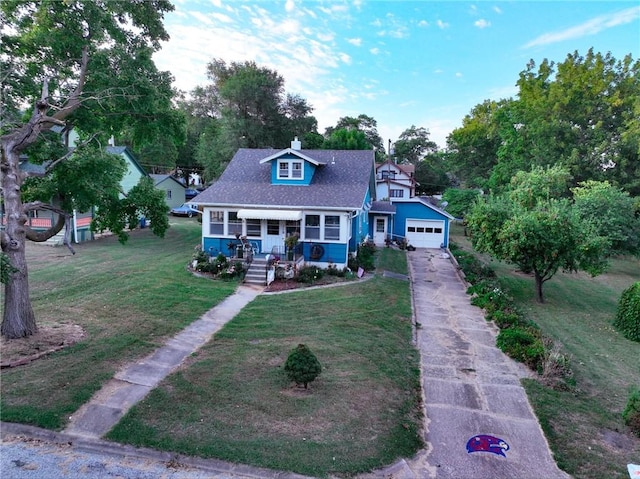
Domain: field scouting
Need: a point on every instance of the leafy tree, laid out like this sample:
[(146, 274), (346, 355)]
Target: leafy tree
[(243, 106), (85, 65), (413, 145), (459, 200), (473, 147), (343, 139), (609, 212), (302, 366), (538, 232), (362, 123), (580, 113), (431, 174)]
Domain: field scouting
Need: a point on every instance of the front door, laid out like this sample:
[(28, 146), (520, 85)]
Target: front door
[(275, 233), (379, 230)]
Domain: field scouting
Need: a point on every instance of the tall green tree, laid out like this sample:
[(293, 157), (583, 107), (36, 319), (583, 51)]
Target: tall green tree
[(79, 64), (473, 148), (245, 106), (413, 145), (580, 113), (365, 124), (431, 174), (609, 211), (343, 139)]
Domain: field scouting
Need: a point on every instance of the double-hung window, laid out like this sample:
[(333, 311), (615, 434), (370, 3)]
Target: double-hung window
[(290, 170), (234, 224), (253, 228), (312, 227), (396, 193), (216, 222), (331, 227)]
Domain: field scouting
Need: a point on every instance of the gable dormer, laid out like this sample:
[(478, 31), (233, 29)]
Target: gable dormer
[(292, 166)]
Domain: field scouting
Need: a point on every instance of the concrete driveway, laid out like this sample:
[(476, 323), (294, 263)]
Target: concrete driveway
[(472, 391)]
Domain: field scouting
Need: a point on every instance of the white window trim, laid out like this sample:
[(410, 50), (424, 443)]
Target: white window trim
[(322, 226), (290, 170)]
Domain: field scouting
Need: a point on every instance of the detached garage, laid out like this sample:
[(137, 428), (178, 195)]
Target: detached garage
[(425, 233)]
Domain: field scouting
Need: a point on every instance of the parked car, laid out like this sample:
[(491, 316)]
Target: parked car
[(185, 210), (190, 193)]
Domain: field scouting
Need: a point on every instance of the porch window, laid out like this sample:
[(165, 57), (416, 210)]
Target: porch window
[(397, 193), (292, 228), (216, 222), (379, 225), (388, 175), (234, 223), (253, 228), (331, 227), (273, 227), (312, 227)]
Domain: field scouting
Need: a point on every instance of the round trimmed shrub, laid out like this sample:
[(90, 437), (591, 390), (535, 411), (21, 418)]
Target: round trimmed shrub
[(302, 366), (627, 319), (631, 413)]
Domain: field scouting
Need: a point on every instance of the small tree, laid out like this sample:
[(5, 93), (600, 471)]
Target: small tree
[(302, 366), (627, 319)]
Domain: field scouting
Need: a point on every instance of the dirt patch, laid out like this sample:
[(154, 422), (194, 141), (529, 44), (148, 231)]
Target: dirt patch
[(49, 338)]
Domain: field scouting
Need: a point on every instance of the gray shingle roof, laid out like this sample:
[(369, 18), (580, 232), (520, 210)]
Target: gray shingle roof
[(383, 207), (341, 181)]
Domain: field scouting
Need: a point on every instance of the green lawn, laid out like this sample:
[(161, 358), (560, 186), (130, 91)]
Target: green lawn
[(231, 400), (128, 298), (584, 426)]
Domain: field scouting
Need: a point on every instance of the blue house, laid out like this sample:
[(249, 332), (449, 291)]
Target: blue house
[(324, 198)]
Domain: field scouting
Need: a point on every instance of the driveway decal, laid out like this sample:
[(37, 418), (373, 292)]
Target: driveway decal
[(485, 443)]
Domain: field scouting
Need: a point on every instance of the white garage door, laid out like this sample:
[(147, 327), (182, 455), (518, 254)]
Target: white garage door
[(425, 233)]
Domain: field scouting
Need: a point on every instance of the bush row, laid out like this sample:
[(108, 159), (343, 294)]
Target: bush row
[(522, 339), (519, 338)]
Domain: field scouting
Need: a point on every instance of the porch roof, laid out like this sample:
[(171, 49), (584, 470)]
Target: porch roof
[(291, 215)]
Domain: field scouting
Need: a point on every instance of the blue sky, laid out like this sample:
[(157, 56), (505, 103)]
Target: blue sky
[(423, 63)]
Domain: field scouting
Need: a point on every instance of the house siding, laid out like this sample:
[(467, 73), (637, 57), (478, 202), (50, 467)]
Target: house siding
[(417, 210)]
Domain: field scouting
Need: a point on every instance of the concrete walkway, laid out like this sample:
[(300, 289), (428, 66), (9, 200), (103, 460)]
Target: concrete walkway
[(135, 381), (470, 387)]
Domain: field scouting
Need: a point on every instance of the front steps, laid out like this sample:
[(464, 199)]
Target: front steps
[(257, 272)]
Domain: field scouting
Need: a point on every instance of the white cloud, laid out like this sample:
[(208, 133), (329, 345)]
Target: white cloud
[(590, 27), (289, 6), (222, 17), (355, 41), (423, 23), (374, 51), (201, 17), (438, 71), (482, 23), (497, 9), (458, 75), (442, 24), (344, 58)]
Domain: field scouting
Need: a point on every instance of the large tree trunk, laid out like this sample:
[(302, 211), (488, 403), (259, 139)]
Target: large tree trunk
[(539, 283), (18, 319)]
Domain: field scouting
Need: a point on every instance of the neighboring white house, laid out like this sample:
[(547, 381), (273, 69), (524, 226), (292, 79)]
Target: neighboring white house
[(395, 181)]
